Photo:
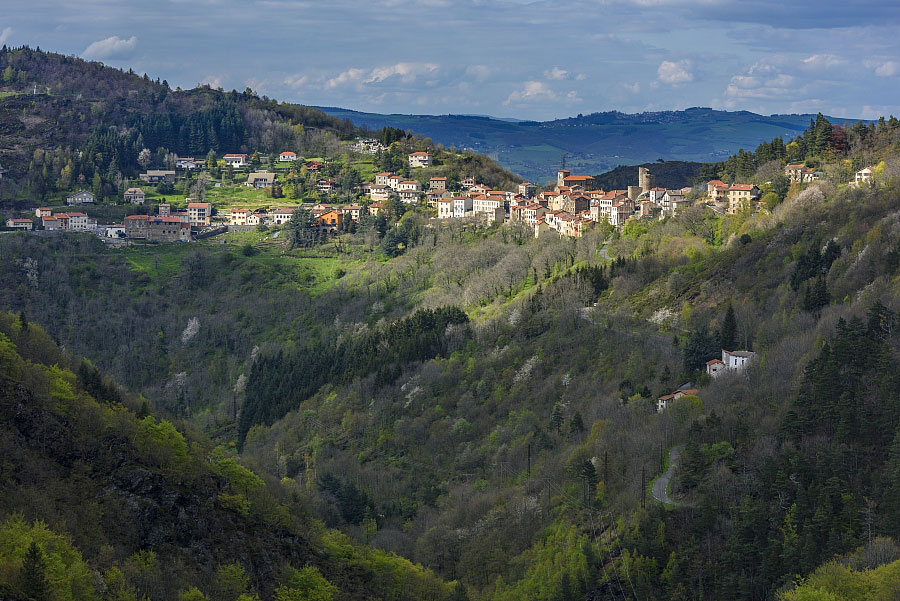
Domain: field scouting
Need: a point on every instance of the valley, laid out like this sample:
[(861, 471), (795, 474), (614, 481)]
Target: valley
[(403, 404)]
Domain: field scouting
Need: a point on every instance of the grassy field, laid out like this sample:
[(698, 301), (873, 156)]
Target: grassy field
[(313, 271)]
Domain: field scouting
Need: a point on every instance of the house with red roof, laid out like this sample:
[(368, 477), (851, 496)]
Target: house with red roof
[(20, 224), (420, 159)]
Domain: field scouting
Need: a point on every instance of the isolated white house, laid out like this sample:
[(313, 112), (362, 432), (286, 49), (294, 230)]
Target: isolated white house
[(731, 361)]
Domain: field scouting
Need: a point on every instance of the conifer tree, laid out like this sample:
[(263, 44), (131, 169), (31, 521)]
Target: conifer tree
[(34, 574), (728, 331)]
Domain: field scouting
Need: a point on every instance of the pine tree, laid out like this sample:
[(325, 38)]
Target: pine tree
[(556, 418), (34, 574), (728, 331)]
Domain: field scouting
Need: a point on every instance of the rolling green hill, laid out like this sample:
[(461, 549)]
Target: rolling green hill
[(598, 142)]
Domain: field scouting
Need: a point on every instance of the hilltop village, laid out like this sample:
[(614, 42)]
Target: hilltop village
[(567, 207)]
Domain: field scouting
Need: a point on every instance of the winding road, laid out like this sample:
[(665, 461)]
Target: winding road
[(661, 484)]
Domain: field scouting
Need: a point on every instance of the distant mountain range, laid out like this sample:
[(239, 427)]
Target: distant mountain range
[(597, 142)]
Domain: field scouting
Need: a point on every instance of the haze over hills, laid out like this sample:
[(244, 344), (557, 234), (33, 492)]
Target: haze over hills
[(597, 142)]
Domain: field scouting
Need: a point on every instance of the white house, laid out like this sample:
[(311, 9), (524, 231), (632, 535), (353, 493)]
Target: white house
[(409, 184), (445, 208), (864, 175), (381, 179), (77, 221), (282, 216), (287, 156), (420, 159), (116, 230), (379, 192), (188, 163), (82, 197), (461, 206), (236, 160), (736, 359), (731, 361)]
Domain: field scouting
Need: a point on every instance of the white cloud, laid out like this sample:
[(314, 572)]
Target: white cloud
[(214, 81), (296, 81), (531, 90), (887, 69), (4, 35), (823, 61), (347, 77), (406, 71), (556, 73), (111, 47), (674, 73), (580, 77), (634, 88), (479, 72)]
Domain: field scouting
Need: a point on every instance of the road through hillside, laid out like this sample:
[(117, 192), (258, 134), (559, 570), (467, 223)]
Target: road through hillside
[(661, 485)]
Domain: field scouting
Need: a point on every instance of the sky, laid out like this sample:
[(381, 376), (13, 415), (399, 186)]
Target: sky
[(526, 59)]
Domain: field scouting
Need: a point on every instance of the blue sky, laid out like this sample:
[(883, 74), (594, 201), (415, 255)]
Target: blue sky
[(525, 59)]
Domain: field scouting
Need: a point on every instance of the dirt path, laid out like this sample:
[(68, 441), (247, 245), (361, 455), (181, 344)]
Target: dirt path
[(661, 485)]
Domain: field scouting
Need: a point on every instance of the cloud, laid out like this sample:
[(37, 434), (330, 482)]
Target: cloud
[(823, 61), (4, 35), (556, 73), (406, 71), (479, 72), (887, 69), (674, 73), (634, 88), (531, 90), (214, 81), (347, 77), (111, 47), (296, 81)]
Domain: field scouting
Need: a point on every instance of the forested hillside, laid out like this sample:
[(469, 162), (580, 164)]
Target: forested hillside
[(100, 499), (474, 399), (67, 123)]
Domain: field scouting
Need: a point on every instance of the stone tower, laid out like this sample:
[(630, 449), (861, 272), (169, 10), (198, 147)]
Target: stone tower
[(646, 181), (561, 176)]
